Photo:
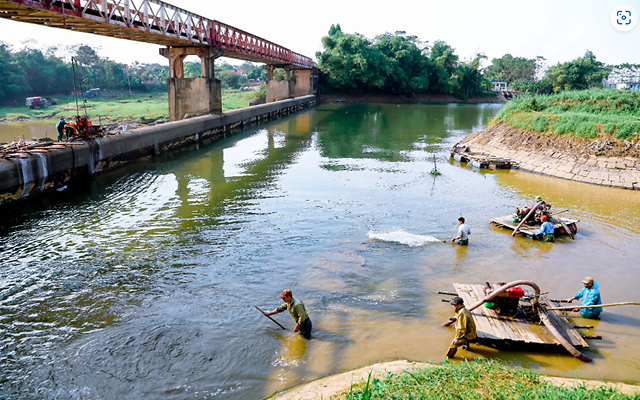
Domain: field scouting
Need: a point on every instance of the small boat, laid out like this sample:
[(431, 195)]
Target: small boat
[(559, 225)]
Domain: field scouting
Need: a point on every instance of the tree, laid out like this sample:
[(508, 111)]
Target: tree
[(582, 73), (13, 81), (510, 69), (445, 63), (468, 80), (405, 66), (349, 62)]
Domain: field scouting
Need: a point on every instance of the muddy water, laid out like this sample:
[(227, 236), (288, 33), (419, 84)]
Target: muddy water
[(11, 131), (142, 285)]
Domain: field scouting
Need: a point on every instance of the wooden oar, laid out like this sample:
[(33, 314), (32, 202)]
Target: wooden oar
[(527, 217), (277, 323), (626, 303)]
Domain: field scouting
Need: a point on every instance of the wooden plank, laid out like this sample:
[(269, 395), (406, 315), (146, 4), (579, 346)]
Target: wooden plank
[(492, 316), (483, 328), (557, 318)]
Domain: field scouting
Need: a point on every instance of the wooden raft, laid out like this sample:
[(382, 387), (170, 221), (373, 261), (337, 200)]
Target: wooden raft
[(530, 230), (463, 153), (493, 327)]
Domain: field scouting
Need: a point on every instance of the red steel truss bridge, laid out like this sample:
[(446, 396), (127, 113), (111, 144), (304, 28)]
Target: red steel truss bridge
[(150, 21)]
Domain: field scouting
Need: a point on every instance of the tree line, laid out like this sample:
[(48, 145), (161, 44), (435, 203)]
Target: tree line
[(42, 72), (402, 64)]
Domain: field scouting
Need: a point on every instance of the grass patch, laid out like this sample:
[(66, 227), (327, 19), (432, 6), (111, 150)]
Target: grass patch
[(137, 107), (585, 113), (482, 380)]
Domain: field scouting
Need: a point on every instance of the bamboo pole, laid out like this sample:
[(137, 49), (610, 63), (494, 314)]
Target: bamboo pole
[(558, 336), (278, 323), (626, 303)]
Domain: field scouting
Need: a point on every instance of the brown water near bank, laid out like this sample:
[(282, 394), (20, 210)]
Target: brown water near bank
[(10, 131)]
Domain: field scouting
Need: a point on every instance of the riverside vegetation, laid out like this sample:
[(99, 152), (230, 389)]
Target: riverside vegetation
[(586, 114), (481, 380)]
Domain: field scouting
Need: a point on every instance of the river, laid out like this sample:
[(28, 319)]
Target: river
[(143, 283)]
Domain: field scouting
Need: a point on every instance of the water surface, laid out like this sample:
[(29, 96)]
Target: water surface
[(143, 284)]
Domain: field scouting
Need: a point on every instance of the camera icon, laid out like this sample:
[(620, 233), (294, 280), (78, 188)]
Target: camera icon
[(624, 17)]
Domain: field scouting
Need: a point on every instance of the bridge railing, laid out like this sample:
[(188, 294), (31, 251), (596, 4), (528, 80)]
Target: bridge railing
[(150, 16), (158, 17), (233, 39)]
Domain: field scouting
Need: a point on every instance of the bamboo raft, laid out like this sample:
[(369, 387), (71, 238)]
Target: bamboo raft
[(479, 160), (495, 329), (530, 230)]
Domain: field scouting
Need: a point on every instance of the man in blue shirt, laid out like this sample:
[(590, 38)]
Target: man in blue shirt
[(546, 230), (590, 296)]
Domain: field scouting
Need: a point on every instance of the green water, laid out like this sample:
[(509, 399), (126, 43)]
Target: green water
[(143, 283)]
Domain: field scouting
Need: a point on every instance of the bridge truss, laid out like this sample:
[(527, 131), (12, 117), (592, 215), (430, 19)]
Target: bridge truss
[(150, 21)]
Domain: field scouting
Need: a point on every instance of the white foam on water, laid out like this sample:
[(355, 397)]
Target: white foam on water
[(402, 237)]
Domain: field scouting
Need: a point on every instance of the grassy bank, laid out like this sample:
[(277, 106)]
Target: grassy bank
[(586, 113), (485, 379), (138, 106)]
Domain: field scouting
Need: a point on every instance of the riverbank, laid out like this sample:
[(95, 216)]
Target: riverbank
[(340, 385), (603, 160), (391, 98)]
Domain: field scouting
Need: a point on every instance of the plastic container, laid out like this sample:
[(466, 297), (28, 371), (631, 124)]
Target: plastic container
[(516, 292)]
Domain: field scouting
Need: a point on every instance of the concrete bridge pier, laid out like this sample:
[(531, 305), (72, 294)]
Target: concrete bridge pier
[(192, 96), (304, 83)]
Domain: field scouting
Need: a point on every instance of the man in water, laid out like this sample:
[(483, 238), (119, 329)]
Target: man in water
[(590, 296), (298, 312), (60, 127), (463, 233), (546, 232), (465, 327)]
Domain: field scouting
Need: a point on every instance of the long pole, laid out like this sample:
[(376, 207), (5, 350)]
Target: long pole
[(277, 323), (527, 217), (626, 303), (75, 90)]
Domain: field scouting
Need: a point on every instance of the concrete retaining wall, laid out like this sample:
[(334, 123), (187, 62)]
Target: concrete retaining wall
[(622, 172), (42, 172)]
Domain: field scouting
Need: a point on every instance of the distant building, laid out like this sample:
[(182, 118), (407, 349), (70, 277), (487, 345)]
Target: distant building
[(635, 86), (501, 87)]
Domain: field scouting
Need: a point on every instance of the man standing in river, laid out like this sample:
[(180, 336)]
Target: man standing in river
[(465, 327), (463, 233), (590, 296), (298, 312)]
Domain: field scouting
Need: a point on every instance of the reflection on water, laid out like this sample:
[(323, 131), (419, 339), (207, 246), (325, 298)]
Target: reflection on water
[(143, 284)]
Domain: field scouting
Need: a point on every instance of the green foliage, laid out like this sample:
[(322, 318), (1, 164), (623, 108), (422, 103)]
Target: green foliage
[(511, 69), (395, 63), (584, 113), (582, 73), (481, 380)]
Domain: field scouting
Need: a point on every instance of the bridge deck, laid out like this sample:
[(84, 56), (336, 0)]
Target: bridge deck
[(152, 21)]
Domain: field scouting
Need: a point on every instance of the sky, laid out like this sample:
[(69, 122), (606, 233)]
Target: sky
[(559, 30)]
